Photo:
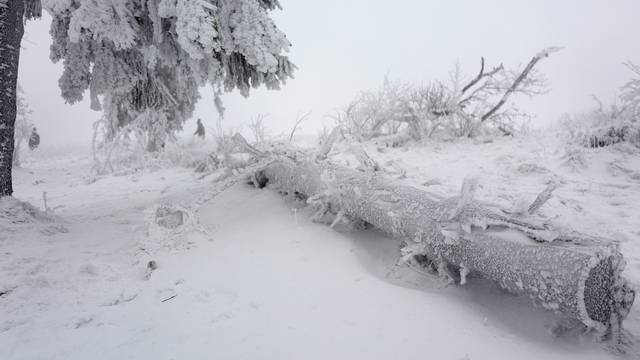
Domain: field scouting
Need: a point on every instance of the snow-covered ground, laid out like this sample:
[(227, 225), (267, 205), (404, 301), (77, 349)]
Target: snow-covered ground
[(251, 277)]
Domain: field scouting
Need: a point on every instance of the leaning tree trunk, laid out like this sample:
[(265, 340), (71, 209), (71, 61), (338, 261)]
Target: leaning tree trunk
[(11, 31), (574, 274)]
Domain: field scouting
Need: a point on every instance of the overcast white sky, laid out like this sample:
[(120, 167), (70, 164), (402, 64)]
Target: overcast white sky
[(342, 47)]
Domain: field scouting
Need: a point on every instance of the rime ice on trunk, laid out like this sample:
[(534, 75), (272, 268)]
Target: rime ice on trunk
[(578, 276), (11, 31)]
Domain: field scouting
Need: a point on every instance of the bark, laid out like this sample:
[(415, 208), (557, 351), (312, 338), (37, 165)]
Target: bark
[(11, 31), (575, 275)]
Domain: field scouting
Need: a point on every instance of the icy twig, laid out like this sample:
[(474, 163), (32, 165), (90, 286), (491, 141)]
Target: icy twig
[(519, 80), (464, 271), (299, 120), (328, 144), (242, 143), (467, 193), (542, 198), (365, 160), (339, 218), (169, 298)]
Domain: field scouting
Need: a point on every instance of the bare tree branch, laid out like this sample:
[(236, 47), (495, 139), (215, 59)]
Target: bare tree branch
[(477, 78), (542, 198), (481, 75), (523, 75), (328, 143), (299, 120), (243, 144), (256, 125)]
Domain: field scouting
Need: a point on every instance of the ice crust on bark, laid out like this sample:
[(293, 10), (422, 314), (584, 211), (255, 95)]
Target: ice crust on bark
[(578, 276)]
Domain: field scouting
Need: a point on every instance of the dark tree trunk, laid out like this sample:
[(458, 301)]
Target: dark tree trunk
[(11, 31)]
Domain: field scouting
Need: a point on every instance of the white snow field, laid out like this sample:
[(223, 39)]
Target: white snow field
[(251, 277)]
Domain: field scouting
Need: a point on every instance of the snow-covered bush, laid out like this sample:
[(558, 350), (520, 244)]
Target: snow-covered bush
[(458, 108), (128, 151), (599, 128), (19, 212), (631, 92), (605, 126), (16, 215), (375, 112)]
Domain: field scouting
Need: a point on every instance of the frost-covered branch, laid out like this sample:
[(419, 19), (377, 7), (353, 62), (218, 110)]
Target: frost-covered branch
[(296, 125), (481, 75), (256, 126), (515, 86)]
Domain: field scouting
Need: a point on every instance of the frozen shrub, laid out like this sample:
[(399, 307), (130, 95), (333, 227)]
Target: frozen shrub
[(375, 113), (127, 153), (618, 123), (574, 158), (599, 128), (458, 108)]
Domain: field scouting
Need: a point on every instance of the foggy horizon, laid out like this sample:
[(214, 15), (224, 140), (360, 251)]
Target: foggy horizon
[(343, 48)]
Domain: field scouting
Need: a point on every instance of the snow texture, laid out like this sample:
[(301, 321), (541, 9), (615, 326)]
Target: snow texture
[(265, 282)]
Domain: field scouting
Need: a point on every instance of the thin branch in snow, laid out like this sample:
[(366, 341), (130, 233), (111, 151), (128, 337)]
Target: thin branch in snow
[(339, 218), (299, 120), (242, 143), (542, 198), (522, 77), (467, 193), (481, 75), (365, 160), (326, 147), (464, 271), (169, 298)]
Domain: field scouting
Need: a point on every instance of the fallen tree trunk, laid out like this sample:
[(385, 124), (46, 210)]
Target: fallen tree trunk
[(576, 275)]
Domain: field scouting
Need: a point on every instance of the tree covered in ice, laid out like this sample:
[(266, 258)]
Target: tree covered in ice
[(142, 61)]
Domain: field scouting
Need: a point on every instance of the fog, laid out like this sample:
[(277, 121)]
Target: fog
[(344, 47)]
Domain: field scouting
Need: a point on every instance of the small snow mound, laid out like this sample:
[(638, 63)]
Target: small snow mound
[(531, 168), (170, 218), (171, 226), (14, 211), (16, 215), (575, 159)]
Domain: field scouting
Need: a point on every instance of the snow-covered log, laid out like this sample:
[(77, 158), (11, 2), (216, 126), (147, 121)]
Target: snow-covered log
[(576, 275)]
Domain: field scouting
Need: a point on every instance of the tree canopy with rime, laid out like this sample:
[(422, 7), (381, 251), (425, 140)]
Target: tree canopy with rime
[(142, 61)]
